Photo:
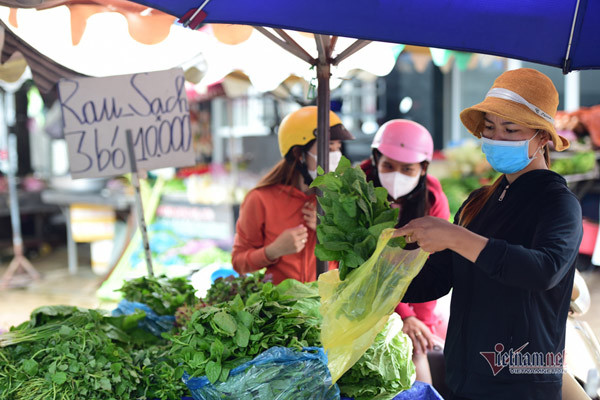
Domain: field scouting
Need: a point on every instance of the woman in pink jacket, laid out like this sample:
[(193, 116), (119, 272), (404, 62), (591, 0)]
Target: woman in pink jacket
[(401, 152)]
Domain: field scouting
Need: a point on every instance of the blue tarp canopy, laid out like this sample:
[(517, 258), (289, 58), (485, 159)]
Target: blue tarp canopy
[(531, 30)]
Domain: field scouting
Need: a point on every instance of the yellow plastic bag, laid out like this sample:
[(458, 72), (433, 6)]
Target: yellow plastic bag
[(355, 310)]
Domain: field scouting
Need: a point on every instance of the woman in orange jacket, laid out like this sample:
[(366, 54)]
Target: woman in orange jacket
[(277, 222)]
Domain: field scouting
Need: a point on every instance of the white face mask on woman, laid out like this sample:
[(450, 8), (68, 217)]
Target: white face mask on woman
[(334, 160), (398, 184)]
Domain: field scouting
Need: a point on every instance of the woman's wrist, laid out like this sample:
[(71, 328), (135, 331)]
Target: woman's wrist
[(271, 252)]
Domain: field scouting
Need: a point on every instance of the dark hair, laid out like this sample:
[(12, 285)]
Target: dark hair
[(479, 198), (288, 170), (413, 205)]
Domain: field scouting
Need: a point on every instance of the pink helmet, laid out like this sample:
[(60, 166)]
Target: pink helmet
[(405, 141)]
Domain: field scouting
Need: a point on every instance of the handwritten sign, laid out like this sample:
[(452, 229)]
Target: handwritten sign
[(97, 112)]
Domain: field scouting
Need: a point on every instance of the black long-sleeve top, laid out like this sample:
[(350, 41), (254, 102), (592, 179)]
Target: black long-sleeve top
[(516, 293)]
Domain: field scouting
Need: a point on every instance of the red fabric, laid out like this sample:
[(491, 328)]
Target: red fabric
[(264, 214), (438, 208), (439, 202), (590, 233)]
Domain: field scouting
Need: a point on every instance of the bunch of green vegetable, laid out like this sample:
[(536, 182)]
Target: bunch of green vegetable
[(221, 337), (158, 373), (225, 289), (163, 295), (70, 353), (221, 291), (75, 355), (577, 164), (385, 369), (355, 214)]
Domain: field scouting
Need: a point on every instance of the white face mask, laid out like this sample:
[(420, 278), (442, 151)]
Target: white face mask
[(334, 160), (398, 184)]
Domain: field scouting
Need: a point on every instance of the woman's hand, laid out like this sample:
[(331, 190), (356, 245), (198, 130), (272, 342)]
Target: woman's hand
[(309, 212), (430, 233), (290, 241), (422, 338), (434, 234)]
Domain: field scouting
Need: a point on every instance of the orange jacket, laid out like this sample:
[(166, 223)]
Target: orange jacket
[(264, 214)]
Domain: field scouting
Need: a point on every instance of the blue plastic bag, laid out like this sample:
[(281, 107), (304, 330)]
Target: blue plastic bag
[(278, 373), (153, 323), (418, 391)]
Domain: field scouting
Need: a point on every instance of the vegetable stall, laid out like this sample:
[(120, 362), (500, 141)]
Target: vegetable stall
[(246, 338)]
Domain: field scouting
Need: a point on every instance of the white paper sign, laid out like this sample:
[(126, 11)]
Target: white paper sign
[(97, 112)]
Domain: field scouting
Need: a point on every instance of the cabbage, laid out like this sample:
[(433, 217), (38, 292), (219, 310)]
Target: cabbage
[(385, 369)]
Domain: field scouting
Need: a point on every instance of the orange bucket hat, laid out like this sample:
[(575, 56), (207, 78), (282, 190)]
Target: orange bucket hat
[(523, 96)]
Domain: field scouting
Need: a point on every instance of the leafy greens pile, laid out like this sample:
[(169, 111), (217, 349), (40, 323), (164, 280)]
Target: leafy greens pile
[(221, 291), (225, 289), (163, 295), (385, 369), (355, 214), (221, 337), (71, 353)]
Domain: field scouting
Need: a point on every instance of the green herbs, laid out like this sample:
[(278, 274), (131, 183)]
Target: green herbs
[(225, 289), (221, 337), (161, 294), (385, 369), (160, 376), (355, 214), (75, 358), (71, 353)]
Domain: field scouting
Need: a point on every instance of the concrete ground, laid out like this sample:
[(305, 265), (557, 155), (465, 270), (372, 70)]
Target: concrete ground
[(57, 286)]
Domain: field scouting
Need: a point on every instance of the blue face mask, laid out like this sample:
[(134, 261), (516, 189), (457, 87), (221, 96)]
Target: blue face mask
[(507, 157)]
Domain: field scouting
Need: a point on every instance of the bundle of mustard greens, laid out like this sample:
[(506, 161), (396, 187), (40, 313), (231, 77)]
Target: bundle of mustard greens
[(374, 267)]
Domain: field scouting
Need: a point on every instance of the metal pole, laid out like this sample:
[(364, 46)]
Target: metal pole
[(323, 107), (15, 217), (138, 202), (8, 165)]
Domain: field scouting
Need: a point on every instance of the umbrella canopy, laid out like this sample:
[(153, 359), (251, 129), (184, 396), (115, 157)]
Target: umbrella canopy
[(560, 33)]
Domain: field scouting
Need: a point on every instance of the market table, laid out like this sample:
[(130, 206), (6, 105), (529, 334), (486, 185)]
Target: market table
[(64, 199), (30, 203)]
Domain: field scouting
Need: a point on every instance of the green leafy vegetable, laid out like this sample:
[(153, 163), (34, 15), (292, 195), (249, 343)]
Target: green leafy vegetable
[(355, 214), (577, 164), (70, 357), (385, 369), (161, 294), (223, 290), (221, 337)]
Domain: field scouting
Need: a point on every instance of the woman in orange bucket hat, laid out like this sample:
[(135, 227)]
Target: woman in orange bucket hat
[(510, 255)]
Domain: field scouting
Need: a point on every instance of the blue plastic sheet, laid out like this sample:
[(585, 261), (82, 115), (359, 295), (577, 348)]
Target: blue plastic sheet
[(418, 391), (153, 323), (278, 373)]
